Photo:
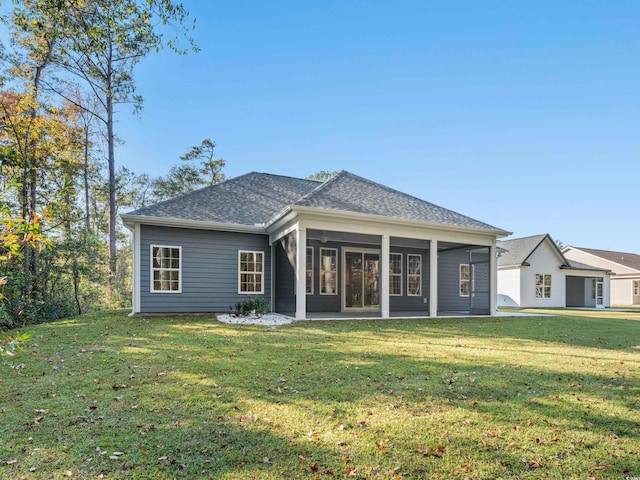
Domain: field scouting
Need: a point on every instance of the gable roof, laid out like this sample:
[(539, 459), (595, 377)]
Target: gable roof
[(630, 260), (256, 199), (518, 250)]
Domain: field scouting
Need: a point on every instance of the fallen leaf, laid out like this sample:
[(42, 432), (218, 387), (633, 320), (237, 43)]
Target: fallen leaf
[(314, 467), (351, 471)]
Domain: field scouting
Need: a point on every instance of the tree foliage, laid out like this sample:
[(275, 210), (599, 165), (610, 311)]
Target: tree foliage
[(322, 175), (68, 64)]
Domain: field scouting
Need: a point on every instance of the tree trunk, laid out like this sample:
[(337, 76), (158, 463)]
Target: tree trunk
[(112, 169), (87, 211)]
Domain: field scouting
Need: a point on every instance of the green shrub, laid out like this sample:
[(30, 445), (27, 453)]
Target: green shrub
[(249, 305)]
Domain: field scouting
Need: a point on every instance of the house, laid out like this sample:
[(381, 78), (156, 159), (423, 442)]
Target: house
[(533, 272), (344, 247), (625, 268)]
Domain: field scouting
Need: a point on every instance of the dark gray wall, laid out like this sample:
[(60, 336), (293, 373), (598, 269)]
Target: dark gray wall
[(324, 303), (449, 298), (285, 280), (412, 303), (209, 268)]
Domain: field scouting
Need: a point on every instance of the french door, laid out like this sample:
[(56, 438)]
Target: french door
[(361, 286)]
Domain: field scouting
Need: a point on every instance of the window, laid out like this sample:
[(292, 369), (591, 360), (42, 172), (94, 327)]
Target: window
[(636, 288), (543, 286), (414, 274), (166, 271), (251, 272), (328, 271), (464, 280), (395, 274), (309, 270)]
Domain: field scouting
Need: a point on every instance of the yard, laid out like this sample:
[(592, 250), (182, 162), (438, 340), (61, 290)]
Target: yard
[(107, 396)]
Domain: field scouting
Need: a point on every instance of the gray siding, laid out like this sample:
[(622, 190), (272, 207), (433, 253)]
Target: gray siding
[(285, 281), (324, 303), (209, 268), (449, 298), (406, 303)]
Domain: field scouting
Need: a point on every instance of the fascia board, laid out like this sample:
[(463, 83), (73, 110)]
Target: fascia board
[(194, 224), (381, 219)]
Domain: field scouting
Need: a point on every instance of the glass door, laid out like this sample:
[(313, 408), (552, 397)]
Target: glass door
[(362, 280), (599, 292)]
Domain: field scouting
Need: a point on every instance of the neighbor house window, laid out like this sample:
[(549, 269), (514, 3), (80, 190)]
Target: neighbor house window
[(464, 280), (310, 270), (414, 274), (636, 288), (328, 271), (166, 269), (395, 274), (251, 272), (543, 286)]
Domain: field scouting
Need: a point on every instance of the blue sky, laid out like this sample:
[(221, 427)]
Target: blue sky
[(524, 115)]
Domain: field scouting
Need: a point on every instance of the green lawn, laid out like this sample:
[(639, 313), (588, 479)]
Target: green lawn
[(107, 396)]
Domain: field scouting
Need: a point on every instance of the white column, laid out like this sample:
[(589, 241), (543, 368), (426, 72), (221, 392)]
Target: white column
[(384, 276), (135, 271), (433, 278), (493, 287), (301, 273)]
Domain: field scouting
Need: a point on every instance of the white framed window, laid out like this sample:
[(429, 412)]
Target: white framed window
[(414, 274), (328, 271), (395, 274), (464, 280), (166, 269), (250, 272), (310, 271), (543, 285), (636, 288)]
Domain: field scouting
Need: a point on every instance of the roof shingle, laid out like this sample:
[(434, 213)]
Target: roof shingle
[(257, 198)]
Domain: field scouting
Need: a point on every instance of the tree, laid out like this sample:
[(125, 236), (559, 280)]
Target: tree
[(211, 169), (180, 180), (104, 41), (322, 175)]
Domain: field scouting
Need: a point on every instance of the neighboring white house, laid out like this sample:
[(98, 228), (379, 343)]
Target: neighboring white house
[(625, 268), (533, 272)]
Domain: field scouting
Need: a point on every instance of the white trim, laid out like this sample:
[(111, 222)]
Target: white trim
[(468, 280), (343, 290), (152, 269), (335, 292), (135, 301), (261, 272), (301, 273), (433, 278), (310, 284), (409, 294), (391, 254), (131, 220), (369, 218), (384, 272)]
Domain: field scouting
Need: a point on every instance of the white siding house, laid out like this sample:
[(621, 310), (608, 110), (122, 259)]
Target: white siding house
[(534, 273), (625, 271)]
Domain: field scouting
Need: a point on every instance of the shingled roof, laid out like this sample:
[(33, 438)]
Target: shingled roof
[(250, 199), (630, 260), (256, 199), (351, 193), (518, 250)]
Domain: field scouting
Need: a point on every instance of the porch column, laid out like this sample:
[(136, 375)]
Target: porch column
[(493, 275), (301, 273), (433, 278), (384, 276)]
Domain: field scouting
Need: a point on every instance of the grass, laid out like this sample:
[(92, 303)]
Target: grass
[(107, 396)]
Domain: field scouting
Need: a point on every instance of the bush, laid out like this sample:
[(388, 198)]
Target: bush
[(248, 305)]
